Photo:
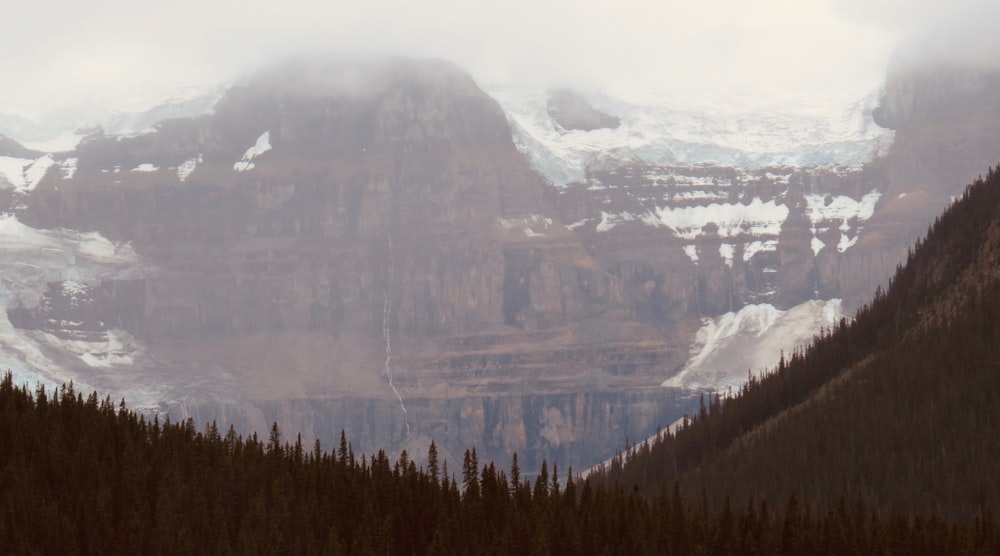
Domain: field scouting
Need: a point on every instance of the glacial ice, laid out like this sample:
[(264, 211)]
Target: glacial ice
[(673, 130)]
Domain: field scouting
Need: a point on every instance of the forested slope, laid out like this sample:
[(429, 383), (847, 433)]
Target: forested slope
[(899, 408), (79, 476)]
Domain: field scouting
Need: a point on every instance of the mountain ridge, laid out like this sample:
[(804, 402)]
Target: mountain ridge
[(290, 239), (316, 244)]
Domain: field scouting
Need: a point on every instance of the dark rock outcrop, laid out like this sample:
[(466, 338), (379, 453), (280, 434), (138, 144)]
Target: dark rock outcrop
[(572, 111)]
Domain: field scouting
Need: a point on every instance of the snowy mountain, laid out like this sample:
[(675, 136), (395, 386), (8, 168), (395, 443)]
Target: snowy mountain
[(540, 266), (62, 129), (670, 130), (754, 206), (722, 177)]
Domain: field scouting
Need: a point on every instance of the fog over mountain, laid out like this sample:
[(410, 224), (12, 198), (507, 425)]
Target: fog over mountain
[(125, 54), (128, 56), (931, 32), (444, 245)]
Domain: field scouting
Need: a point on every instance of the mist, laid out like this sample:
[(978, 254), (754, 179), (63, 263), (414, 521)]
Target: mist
[(127, 54), (965, 38)]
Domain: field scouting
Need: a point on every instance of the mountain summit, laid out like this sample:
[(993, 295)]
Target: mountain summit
[(373, 246)]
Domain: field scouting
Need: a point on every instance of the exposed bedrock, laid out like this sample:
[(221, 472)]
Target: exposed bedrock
[(340, 241)]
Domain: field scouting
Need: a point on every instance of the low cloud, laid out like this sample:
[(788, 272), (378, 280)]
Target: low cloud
[(122, 53), (934, 32)]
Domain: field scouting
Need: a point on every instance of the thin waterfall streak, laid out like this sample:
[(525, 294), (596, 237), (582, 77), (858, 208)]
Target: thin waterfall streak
[(386, 315)]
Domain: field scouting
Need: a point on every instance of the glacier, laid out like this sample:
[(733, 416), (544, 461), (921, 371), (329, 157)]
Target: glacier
[(32, 261), (667, 129)]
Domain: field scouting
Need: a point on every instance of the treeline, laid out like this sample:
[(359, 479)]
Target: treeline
[(898, 407), (82, 476)]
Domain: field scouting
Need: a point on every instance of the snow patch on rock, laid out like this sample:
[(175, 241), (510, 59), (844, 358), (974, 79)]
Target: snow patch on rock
[(609, 220), (262, 145), (817, 245), (68, 167), (24, 174), (533, 225), (752, 248), (828, 209), (727, 251), (756, 218), (752, 339), (118, 347), (692, 252), (188, 166)]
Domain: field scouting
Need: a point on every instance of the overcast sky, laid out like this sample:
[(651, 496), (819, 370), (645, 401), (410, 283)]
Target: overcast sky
[(123, 52)]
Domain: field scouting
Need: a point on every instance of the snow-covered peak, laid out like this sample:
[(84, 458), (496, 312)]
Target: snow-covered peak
[(674, 130)]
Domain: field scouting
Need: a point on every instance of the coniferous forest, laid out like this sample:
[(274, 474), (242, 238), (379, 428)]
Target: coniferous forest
[(82, 476), (899, 408), (883, 437)]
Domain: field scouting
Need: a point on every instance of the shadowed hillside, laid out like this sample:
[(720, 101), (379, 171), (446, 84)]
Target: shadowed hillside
[(898, 408), (79, 476)]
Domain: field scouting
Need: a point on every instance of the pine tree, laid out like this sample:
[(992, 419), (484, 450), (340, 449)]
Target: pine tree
[(432, 462)]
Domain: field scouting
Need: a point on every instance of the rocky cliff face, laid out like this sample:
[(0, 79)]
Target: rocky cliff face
[(708, 240), (946, 133), (362, 246), (362, 242), (755, 232)]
